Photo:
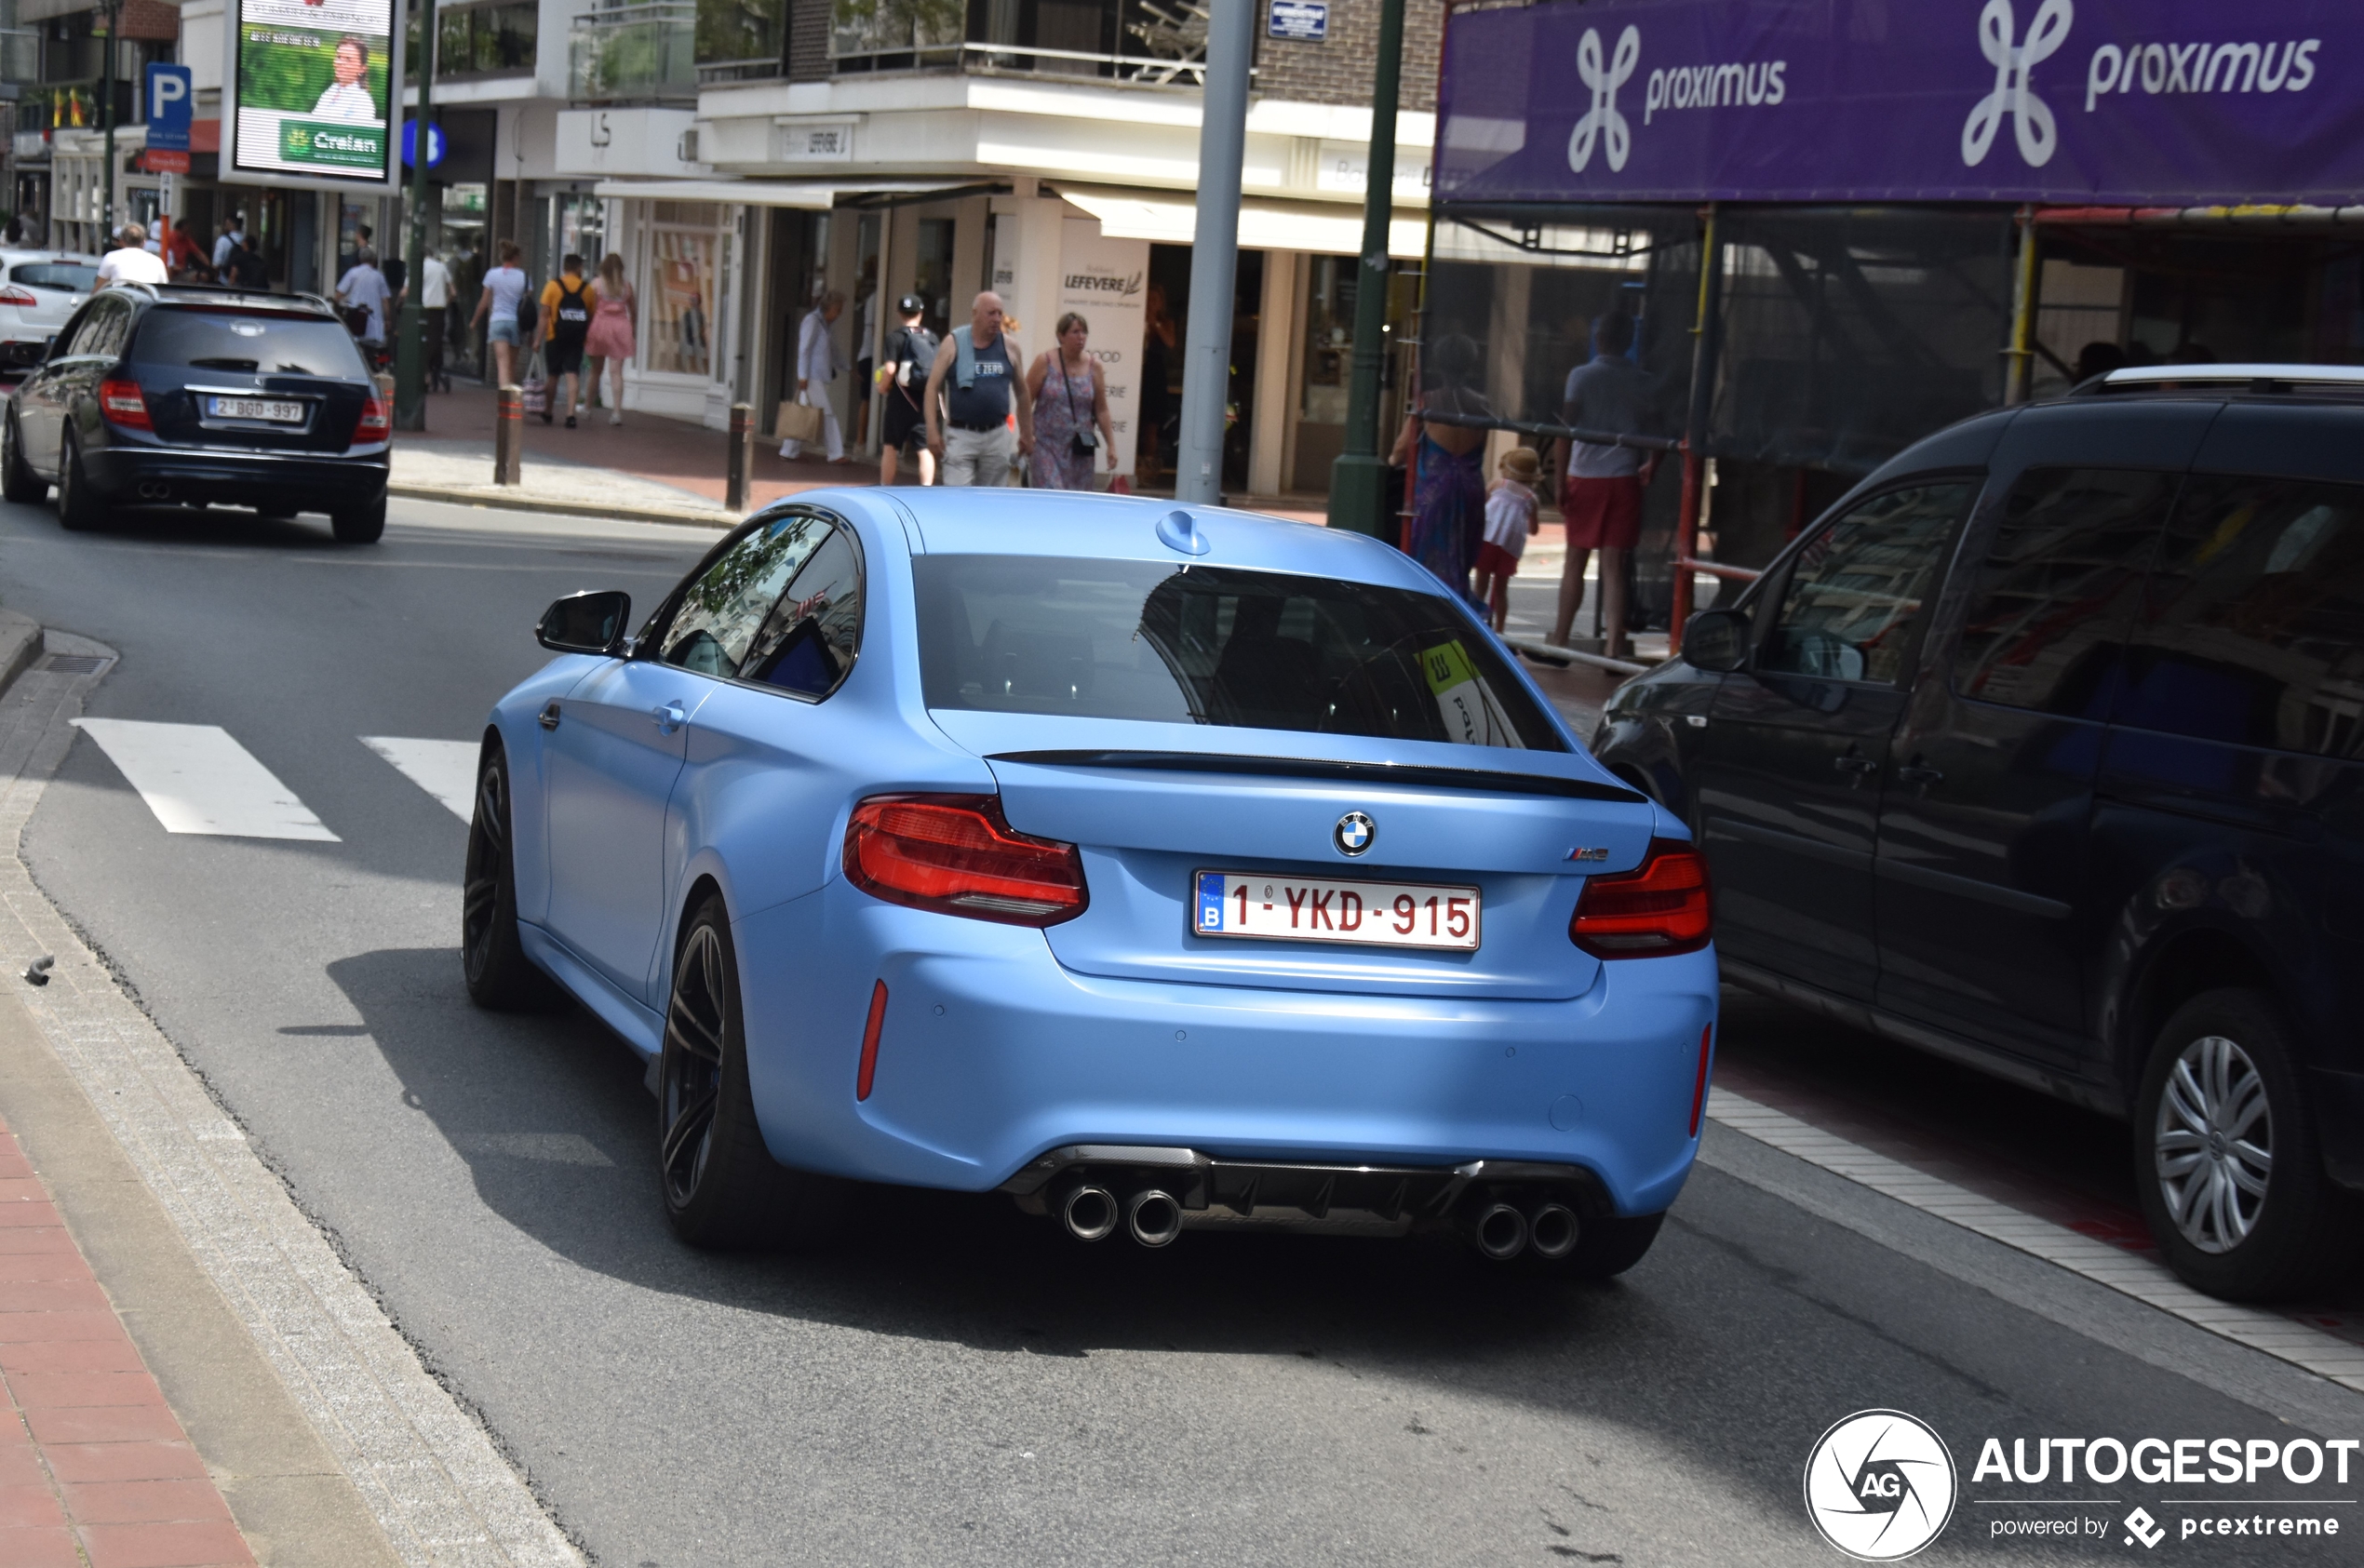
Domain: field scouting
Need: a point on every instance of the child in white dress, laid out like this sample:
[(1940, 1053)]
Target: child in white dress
[(1512, 514)]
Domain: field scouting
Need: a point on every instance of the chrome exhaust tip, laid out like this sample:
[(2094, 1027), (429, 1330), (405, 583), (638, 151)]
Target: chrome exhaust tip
[(1089, 1211), (1500, 1232), (1551, 1231), (1154, 1218)]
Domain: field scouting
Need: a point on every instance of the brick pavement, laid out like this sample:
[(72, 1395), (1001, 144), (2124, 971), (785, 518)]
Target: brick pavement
[(95, 1472)]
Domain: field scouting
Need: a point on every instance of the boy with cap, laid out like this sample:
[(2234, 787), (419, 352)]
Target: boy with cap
[(906, 357)]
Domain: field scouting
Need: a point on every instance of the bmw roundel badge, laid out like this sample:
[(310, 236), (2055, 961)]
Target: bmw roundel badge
[(1354, 833)]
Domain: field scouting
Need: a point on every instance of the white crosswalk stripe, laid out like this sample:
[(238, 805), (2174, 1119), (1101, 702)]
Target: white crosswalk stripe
[(198, 780), (446, 770)]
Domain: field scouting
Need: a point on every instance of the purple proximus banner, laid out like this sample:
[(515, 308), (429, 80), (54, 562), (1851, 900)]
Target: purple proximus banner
[(2109, 103)]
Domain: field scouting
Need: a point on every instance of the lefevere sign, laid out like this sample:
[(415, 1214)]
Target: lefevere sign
[(2115, 102)]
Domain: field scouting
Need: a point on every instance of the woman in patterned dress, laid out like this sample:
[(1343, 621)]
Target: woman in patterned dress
[(1071, 426), (1448, 485)]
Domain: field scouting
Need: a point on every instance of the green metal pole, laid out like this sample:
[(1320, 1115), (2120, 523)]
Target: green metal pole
[(1358, 480), (106, 119), (411, 327)]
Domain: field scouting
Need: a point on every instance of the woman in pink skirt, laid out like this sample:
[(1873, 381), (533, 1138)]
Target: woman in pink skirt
[(615, 332)]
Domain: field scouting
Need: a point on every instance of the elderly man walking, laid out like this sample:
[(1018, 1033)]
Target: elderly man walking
[(970, 399), (819, 362)]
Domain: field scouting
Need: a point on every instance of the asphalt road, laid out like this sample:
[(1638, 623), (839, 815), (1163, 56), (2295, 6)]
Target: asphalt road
[(963, 1385)]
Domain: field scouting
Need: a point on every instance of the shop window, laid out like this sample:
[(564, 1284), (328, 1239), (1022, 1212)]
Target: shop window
[(485, 40), (680, 308)]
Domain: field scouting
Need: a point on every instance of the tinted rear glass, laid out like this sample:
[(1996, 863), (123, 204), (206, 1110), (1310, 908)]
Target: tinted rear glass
[(1213, 645), (204, 339), (60, 276)]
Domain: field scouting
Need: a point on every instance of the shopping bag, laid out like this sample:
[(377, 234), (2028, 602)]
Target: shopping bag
[(536, 387), (800, 422)]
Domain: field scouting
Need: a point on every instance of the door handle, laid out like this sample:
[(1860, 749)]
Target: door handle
[(549, 717), (671, 716), (1851, 763), (1918, 773)]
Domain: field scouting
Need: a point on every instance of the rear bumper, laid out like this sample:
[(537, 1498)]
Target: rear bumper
[(2339, 1124), (300, 482), (991, 1056)]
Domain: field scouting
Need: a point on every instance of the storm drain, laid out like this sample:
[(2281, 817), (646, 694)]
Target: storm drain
[(73, 663)]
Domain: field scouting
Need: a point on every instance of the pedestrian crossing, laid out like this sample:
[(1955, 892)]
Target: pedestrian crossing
[(196, 778)]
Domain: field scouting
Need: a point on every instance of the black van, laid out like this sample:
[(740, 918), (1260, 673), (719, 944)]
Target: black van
[(2043, 750)]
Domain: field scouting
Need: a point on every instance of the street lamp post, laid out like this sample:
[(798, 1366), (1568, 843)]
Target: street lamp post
[(410, 332), (1214, 253), (1358, 480), (113, 9)]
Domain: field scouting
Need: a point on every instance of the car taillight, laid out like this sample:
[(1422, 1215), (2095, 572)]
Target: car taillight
[(956, 854), (13, 295), (1660, 908), (376, 423), (121, 403)]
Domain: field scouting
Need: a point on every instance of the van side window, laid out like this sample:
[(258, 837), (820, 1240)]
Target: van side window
[(1856, 586), (2251, 628), (2054, 586)]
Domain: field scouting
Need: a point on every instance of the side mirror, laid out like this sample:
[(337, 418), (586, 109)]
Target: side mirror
[(590, 623), (1716, 640)]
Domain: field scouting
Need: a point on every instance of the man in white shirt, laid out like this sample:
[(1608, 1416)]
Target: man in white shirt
[(132, 262), (435, 306), (819, 361), (234, 233), (365, 288)]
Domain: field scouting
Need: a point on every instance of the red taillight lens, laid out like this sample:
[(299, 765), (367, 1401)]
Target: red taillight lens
[(121, 403), (957, 855), (14, 295), (1662, 908), (376, 423)]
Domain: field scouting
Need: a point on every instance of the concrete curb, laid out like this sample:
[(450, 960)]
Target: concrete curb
[(505, 500), (21, 643)]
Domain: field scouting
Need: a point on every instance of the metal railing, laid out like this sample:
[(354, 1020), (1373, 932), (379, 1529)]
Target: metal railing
[(1164, 45), (644, 53)]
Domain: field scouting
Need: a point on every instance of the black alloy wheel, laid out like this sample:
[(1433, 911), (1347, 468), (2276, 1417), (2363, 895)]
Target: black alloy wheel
[(722, 1186), (80, 510), (18, 482), (2226, 1156), (500, 977)]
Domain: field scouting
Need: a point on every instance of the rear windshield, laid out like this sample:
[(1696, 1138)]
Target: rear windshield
[(63, 278), (1213, 645), (207, 340)]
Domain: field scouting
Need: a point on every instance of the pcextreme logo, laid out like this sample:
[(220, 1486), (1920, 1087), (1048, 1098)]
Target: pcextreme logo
[(1880, 1485)]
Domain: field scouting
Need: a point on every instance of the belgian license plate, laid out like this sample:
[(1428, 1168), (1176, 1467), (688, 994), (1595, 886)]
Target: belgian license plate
[(1325, 909), (272, 410)]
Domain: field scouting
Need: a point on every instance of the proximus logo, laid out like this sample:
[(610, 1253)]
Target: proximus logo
[(1602, 120), (2013, 95)]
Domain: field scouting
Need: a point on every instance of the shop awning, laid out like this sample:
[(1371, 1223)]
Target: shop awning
[(811, 195), (1172, 217)]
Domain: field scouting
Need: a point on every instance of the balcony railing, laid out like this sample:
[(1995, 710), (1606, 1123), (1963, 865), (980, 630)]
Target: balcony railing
[(635, 54), (1159, 43)]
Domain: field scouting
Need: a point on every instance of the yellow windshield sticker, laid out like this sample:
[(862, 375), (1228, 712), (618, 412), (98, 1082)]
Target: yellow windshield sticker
[(1447, 665)]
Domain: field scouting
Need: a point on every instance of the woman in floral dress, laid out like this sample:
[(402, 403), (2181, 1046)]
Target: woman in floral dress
[(1071, 426)]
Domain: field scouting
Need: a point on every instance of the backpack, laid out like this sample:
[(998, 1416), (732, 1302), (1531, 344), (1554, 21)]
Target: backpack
[(918, 354), (247, 271), (572, 318)]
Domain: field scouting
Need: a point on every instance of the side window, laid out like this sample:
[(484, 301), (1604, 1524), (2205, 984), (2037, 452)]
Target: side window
[(1856, 589), (2053, 588), (716, 623), (812, 639), (91, 332), (109, 327), (2252, 623)]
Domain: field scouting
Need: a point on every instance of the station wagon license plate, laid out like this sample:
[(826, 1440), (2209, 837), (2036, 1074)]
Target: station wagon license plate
[(1324, 909), (272, 410)]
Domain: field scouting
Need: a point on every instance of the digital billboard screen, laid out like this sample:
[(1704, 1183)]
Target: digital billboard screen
[(315, 88)]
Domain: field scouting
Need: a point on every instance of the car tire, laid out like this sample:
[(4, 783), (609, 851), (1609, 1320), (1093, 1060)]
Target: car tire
[(79, 509), (2227, 1160), (492, 958), (1605, 1248), (722, 1186), (17, 483), (363, 524)]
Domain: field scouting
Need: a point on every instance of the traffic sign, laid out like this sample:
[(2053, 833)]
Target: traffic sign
[(171, 104), (411, 144)]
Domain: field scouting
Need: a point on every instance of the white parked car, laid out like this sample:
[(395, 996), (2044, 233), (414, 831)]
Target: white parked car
[(38, 290)]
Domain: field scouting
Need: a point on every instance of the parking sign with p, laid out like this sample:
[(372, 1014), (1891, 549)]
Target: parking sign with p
[(171, 107)]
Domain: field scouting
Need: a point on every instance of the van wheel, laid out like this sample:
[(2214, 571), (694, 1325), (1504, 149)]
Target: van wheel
[(722, 1186), (17, 483), (80, 510), (363, 524), (2226, 1156)]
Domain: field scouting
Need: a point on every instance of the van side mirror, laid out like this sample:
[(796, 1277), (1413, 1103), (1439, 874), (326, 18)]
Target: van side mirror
[(589, 623), (1716, 640)]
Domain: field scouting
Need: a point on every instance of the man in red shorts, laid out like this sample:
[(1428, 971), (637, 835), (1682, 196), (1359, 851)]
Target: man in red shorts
[(1601, 486)]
